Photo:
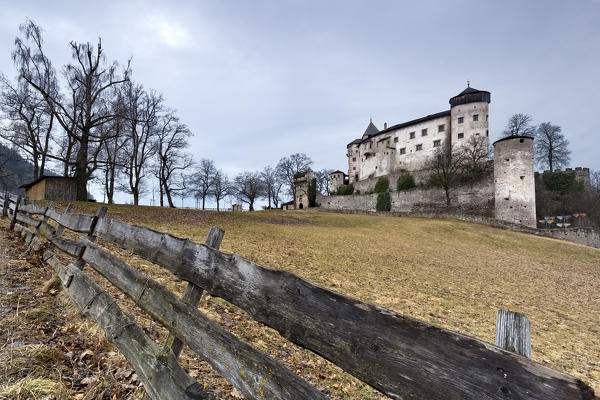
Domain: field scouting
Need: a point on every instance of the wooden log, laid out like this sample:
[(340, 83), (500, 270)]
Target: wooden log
[(193, 293), (26, 220), (75, 222), (398, 355), (15, 212), (160, 373), (513, 332), (99, 214), (55, 236), (33, 208), (253, 373)]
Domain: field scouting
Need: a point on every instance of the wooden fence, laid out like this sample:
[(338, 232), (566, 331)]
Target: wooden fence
[(403, 357)]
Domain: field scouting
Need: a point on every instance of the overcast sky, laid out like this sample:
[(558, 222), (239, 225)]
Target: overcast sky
[(258, 80)]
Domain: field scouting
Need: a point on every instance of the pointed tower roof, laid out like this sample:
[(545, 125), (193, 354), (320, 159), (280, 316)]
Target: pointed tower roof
[(371, 129)]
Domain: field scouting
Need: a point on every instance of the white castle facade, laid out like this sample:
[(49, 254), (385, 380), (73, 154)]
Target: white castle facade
[(407, 147)]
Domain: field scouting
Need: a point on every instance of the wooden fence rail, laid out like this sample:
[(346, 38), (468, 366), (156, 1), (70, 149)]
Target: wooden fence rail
[(401, 356)]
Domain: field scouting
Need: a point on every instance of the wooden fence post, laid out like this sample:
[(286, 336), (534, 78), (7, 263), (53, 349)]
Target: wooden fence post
[(193, 293), (91, 237), (513, 332), (5, 205), (14, 217)]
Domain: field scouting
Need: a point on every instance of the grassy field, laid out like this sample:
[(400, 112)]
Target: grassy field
[(450, 273)]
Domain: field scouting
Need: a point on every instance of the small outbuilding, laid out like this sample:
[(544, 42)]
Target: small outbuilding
[(57, 188)]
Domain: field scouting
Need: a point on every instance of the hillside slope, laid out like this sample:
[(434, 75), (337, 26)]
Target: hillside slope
[(450, 273)]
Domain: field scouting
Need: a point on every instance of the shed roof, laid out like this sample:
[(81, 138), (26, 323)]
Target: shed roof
[(41, 178)]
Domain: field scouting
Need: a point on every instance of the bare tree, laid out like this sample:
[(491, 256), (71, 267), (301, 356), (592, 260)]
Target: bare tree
[(322, 176), (476, 157), (221, 186), (272, 183), (202, 180), (551, 147), (249, 187), (86, 108), (519, 125), (172, 140), (288, 167), (142, 115), (595, 181), (446, 169), (113, 148), (30, 122)]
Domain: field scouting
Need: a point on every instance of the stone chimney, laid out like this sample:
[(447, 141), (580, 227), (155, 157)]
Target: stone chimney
[(385, 125)]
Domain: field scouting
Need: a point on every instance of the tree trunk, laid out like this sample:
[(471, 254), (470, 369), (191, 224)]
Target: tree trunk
[(160, 191), (81, 168), (111, 185), (169, 199), (217, 204), (251, 206), (203, 200)]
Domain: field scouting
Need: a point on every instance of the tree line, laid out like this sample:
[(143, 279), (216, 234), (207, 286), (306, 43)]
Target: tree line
[(271, 183), (91, 120)]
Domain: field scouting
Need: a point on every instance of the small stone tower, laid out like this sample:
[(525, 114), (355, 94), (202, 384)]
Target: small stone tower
[(514, 184), (469, 116), (301, 182), (336, 179)]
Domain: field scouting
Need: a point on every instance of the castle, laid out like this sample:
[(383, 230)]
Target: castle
[(407, 148)]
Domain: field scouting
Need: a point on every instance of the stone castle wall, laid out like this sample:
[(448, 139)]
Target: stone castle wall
[(472, 199)]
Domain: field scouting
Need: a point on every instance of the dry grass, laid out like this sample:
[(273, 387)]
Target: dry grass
[(450, 273)]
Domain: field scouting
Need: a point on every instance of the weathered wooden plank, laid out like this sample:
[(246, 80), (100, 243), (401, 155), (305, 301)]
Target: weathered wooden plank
[(33, 208), (513, 332), (193, 293), (27, 220), (399, 355), (160, 373), (252, 372), (75, 222), (99, 214), (71, 247)]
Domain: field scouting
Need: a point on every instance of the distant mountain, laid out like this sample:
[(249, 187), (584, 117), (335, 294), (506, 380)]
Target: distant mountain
[(14, 170)]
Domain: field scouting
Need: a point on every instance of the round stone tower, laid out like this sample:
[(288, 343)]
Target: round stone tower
[(469, 116), (514, 182)]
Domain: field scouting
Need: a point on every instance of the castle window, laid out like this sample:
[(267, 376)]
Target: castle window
[(461, 135), (475, 117), (487, 117), (403, 150), (461, 120), (487, 133), (441, 128), (424, 132), (396, 139), (412, 135), (419, 147), (353, 158), (437, 143), (354, 168)]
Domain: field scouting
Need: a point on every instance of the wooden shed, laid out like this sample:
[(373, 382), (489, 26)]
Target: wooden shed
[(58, 188)]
